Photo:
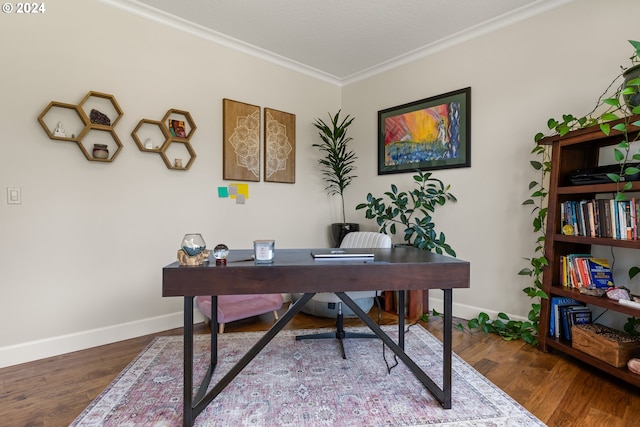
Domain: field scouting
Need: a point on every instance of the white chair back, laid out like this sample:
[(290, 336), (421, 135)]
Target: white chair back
[(366, 239)]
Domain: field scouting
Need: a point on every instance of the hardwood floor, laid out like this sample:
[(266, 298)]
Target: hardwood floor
[(559, 390)]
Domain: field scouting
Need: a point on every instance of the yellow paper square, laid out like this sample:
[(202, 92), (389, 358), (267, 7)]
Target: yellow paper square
[(238, 188)]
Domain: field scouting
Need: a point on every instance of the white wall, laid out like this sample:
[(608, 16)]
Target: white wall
[(81, 257), (520, 76)]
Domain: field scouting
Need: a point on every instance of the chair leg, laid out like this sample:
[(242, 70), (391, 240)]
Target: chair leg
[(275, 314), (221, 328), (340, 334)]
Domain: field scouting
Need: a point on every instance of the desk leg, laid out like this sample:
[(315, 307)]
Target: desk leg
[(190, 410), (447, 336), (188, 407), (401, 314), (443, 395), (187, 418)]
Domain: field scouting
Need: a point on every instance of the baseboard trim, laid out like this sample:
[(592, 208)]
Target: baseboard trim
[(464, 311), (55, 346)]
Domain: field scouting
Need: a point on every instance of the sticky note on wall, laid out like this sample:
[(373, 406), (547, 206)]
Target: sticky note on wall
[(223, 192), (238, 188)]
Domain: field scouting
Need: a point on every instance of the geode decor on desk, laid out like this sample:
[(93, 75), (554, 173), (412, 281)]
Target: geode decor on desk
[(186, 259), (99, 118)]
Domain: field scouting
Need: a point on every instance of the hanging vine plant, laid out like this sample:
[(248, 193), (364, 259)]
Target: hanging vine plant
[(619, 103)]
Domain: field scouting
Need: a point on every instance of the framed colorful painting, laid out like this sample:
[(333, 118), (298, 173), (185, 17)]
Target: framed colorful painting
[(240, 141), (432, 133), (279, 146)]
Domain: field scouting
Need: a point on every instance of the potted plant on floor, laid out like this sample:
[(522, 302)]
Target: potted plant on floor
[(410, 212), (338, 164)]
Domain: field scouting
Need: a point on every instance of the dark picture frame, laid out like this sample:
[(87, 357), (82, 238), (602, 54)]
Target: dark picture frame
[(429, 134)]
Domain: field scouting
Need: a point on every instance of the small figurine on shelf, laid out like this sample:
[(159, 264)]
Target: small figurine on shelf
[(148, 144), (100, 151), (59, 131), (220, 253), (178, 163)]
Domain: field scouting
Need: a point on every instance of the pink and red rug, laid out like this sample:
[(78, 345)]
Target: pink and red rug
[(304, 383)]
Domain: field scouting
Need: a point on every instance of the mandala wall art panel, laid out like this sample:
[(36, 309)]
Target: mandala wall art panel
[(279, 146), (241, 141)]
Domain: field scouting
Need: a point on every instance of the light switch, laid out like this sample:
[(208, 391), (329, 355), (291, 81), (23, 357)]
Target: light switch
[(14, 195)]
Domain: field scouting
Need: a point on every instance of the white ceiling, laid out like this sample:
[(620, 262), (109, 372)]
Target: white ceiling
[(339, 39)]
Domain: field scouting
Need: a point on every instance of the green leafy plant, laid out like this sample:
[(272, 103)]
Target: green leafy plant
[(614, 105), (633, 323), (610, 107), (410, 212), (338, 163), (632, 326)]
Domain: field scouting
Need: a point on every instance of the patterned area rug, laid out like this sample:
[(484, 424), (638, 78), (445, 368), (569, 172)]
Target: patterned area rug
[(304, 383)]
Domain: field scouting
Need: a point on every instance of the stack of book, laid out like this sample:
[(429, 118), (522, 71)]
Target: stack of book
[(585, 271), (566, 312), (601, 218)]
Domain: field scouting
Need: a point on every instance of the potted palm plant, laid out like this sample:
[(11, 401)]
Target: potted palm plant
[(338, 164)]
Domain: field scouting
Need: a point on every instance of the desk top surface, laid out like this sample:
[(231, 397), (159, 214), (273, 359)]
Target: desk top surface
[(295, 270)]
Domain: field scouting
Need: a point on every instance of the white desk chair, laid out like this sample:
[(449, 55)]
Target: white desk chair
[(327, 304)]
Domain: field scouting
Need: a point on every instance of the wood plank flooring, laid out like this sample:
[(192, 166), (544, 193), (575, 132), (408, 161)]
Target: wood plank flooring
[(560, 391)]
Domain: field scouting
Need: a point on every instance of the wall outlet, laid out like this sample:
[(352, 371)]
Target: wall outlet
[(14, 195)]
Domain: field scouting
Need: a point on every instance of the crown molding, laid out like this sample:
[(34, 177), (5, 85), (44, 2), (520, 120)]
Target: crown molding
[(200, 31), (148, 12), (495, 24)]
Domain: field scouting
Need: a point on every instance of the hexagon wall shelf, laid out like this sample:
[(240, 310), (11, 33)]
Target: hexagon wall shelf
[(81, 123), (171, 142)]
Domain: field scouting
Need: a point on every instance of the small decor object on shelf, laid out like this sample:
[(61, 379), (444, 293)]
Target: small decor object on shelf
[(168, 133), (84, 122), (99, 118), (177, 128), (193, 244), (193, 250), (59, 131), (220, 253), (602, 342), (264, 251), (100, 151), (185, 259)]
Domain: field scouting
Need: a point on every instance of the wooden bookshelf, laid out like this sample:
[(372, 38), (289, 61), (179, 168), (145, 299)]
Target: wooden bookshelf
[(579, 149)]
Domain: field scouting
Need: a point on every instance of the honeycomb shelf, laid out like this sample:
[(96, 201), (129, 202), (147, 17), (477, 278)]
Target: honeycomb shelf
[(80, 124), (175, 131)]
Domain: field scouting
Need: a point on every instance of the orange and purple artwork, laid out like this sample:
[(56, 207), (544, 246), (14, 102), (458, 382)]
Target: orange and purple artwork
[(432, 133), (423, 135)]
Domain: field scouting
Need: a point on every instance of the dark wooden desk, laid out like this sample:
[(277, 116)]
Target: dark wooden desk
[(295, 271)]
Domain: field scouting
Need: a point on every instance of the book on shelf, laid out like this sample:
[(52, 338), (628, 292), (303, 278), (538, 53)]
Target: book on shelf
[(601, 218), (600, 275), (573, 315), (577, 274), (634, 205), (606, 218), (585, 271), (554, 317)]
